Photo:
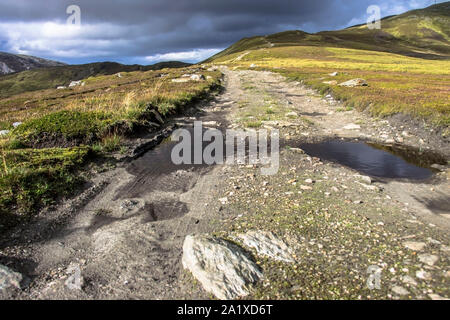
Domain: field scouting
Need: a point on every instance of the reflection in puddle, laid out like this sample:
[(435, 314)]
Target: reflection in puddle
[(376, 160)]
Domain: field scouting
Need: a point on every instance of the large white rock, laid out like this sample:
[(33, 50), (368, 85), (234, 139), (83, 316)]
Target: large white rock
[(223, 268), (354, 83), (74, 84), (9, 279), (352, 126), (267, 244), (180, 80), (197, 77)]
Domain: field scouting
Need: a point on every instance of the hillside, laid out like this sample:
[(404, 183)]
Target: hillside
[(419, 33), (406, 66), (52, 77), (10, 63)]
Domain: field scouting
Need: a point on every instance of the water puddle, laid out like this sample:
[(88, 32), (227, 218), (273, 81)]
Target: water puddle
[(165, 210), (376, 160)]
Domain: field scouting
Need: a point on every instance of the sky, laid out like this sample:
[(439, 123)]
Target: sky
[(150, 31)]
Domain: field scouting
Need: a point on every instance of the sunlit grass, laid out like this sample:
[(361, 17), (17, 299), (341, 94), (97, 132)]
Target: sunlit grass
[(413, 86)]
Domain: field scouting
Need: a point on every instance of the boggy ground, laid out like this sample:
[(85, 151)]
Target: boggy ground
[(125, 233)]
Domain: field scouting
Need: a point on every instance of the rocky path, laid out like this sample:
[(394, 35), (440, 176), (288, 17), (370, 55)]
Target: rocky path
[(126, 240)]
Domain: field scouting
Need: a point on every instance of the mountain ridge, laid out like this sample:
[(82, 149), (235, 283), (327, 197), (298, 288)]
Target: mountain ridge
[(12, 63), (51, 77), (423, 33)]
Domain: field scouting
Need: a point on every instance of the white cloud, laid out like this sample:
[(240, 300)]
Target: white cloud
[(186, 56), (61, 40)]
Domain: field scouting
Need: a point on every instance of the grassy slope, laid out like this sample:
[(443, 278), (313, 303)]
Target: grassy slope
[(41, 159), (397, 83), (418, 33), (52, 77)]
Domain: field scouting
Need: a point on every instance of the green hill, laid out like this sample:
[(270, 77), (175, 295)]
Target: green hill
[(45, 78), (406, 63), (421, 33), (10, 63)]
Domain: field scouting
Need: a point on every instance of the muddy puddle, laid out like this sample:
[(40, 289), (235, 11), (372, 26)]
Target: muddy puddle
[(383, 161)]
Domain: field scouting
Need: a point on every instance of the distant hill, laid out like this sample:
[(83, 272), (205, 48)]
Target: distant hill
[(52, 77), (421, 33), (10, 63)]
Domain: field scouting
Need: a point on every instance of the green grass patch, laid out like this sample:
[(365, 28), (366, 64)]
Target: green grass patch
[(31, 179)]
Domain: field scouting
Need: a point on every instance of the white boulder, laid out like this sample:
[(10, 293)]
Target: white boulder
[(223, 268)]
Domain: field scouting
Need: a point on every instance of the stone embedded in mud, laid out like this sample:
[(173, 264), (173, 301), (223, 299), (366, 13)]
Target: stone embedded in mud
[(423, 275), (352, 126), (415, 246), (354, 83), (428, 259), (409, 280), (434, 296), (267, 244), (438, 167), (400, 291), (9, 279), (365, 179), (292, 114), (223, 268)]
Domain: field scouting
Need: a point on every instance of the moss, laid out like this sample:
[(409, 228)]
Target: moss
[(31, 179), (69, 124)]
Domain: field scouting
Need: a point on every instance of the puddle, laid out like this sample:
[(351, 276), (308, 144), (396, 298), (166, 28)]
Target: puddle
[(166, 210), (376, 160)]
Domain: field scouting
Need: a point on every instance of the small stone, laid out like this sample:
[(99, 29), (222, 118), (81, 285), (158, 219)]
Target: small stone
[(400, 291), (434, 296), (409, 280), (305, 187), (423, 275), (354, 83), (9, 279), (309, 181), (292, 114), (428, 259), (365, 179), (415, 246), (352, 126), (223, 200)]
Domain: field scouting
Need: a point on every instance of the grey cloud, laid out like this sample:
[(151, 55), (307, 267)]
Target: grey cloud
[(129, 29)]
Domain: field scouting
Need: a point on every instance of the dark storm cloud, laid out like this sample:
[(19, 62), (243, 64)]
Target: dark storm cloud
[(131, 30)]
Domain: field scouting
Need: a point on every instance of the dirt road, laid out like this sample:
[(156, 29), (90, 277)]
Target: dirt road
[(125, 233)]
